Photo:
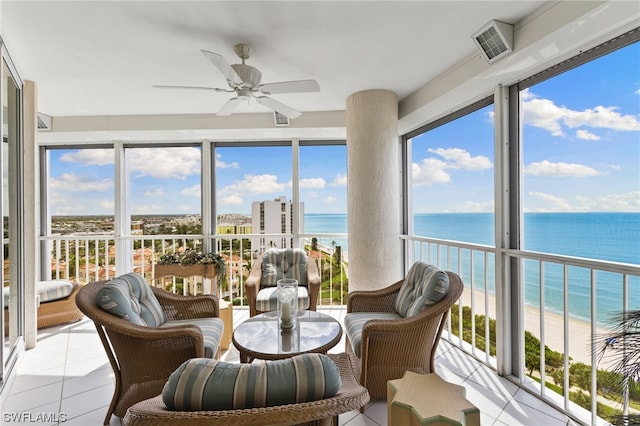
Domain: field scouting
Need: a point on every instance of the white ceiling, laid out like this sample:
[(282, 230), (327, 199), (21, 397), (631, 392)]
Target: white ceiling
[(102, 57)]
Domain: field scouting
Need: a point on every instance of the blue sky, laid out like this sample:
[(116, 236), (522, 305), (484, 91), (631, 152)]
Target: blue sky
[(581, 152), (581, 146)]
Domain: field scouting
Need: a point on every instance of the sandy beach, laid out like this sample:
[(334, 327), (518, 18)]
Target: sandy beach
[(579, 331)]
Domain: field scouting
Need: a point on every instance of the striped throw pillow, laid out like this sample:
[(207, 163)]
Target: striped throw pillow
[(283, 263), (423, 286), (210, 385), (130, 297)]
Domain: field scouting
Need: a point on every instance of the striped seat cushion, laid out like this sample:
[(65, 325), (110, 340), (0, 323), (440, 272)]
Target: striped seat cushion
[(48, 291), (283, 263), (354, 321), (208, 384), (423, 286), (267, 299), (130, 297), (212, 329)]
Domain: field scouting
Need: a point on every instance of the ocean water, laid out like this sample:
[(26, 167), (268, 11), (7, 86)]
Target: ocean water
[(604, 236)]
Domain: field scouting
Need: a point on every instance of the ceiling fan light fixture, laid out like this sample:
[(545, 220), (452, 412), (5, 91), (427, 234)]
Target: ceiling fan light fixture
[(494, 39)]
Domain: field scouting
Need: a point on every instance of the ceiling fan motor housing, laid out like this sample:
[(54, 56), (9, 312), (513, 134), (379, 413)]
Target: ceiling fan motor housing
[(250, 76)]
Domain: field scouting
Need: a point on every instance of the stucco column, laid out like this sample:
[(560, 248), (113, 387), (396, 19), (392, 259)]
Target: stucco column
[(373, 191)]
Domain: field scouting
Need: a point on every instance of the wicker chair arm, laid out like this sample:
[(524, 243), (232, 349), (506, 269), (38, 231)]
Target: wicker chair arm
[(178, 307), (253, 281), (381, 300)]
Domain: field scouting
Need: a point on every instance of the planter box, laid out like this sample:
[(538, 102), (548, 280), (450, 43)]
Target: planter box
[(206, 270)]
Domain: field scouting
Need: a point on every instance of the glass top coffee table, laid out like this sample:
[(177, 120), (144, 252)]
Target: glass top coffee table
[(261, 337)]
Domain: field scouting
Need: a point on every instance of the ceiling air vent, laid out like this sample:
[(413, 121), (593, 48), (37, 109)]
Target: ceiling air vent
[(494, 40), (280, 119), (44, 122)]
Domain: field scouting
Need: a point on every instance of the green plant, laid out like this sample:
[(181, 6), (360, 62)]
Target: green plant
[(193, 257), (621, 349)]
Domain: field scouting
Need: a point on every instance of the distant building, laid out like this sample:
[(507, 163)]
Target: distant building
[(272, 218)]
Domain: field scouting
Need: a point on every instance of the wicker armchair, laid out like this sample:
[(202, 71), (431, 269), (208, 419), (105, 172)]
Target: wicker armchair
[(389, 347), (351, 396), (142, 358), (254, 285)]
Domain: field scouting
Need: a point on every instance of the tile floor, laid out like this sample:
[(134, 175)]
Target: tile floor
[(67, 380)]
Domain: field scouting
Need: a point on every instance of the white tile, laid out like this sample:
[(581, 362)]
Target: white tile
[(26, 382), (95, 379), (523, 399), (345, 418), (488, 402), (489, 379), (377, 411), (94, 399), (25, 401), (517, 413)]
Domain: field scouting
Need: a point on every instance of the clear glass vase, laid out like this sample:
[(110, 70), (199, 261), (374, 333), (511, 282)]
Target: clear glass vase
[(287, 302)]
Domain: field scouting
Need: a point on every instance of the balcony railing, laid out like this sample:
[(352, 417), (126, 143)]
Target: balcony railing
[(93, 258), (561, 320)]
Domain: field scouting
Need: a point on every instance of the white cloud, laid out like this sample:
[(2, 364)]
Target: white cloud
[(547, 168), (434, 170), (312, 183), (544, 113), (223, 165), (430, 171), (340, 180), (330, 200), (475, 207), (555, 203), (586, 135), (75, 183), (256, 184), (458, 158), (232, 199), (158, 192), (250, 185), (192, 191), (89, 157), (624, 202), (164, 163)]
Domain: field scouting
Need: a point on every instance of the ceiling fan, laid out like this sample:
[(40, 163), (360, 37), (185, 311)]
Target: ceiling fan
[(244, 81)]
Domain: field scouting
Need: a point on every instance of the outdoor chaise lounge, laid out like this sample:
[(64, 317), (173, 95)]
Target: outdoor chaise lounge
[(57, 303)]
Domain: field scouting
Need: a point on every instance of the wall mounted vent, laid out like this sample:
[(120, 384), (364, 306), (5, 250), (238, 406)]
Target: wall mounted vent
[(280, 119), (44, 122), (494, 40)]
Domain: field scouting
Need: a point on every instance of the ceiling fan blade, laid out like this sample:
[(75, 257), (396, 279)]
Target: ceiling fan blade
[(229, 73), (278, 106), (295, 86), (215, 89), (229, 106)]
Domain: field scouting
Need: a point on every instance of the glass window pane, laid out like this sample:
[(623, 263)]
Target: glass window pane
[(253, 186), (81, 184), (452, 179), (163, 182), (581, 151)]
